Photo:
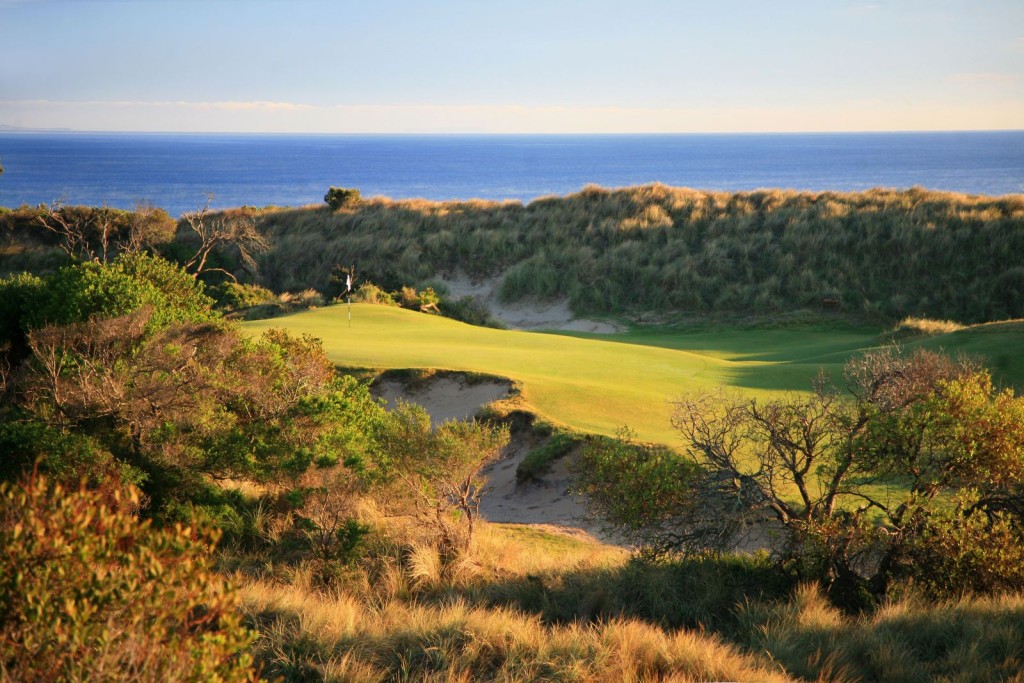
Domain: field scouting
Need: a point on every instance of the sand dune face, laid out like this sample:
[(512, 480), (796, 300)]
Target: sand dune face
[(537, 315)]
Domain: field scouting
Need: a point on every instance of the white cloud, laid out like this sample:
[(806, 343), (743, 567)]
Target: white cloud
[(284, 117)]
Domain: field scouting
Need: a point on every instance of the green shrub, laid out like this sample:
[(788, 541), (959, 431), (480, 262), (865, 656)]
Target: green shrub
[(369, 293), (341, 197), (469, 310), (233, 296), (90, 592), (881, 253), (538, 462)]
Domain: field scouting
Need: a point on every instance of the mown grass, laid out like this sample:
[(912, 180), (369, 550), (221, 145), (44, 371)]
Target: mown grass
[(596, 384)]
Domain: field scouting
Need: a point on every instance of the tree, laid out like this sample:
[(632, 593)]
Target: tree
[(235, 229), (147, 227), (850, 487)]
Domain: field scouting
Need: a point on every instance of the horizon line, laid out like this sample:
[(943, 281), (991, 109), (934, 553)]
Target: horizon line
[(87, 131)]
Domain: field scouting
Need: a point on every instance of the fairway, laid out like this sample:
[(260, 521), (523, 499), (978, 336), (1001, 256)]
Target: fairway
[(599, 383), (589, 384)]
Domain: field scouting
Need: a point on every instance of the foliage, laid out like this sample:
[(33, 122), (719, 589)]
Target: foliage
[(880, 254), (814, 470), (911, 327), (234, 233), (369, 293), (82, 291), (342, 197), (470, 310), (174, 402), (645, 493), (544, 606), (90, 592), (90, 233), (234, 296), (439, 470), (907, 639), (328, 519), (425, 300), (538, 461)]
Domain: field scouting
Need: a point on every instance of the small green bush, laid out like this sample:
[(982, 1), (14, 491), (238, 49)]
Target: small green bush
[(341, 197), (233, 296), (538, 462), (369, 293)]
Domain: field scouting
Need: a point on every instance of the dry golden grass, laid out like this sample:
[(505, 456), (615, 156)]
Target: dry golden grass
[(923, 327), (341, 639)]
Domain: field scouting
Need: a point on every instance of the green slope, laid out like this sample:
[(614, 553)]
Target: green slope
[(596, 384), (1000, 346), (593, 385)]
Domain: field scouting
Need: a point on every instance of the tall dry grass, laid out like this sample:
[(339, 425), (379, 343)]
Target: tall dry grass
[(532, 605), (337, 638)]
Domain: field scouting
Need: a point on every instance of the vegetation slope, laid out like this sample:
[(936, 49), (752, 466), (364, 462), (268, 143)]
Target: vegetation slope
[(880, 254), (351, 559)]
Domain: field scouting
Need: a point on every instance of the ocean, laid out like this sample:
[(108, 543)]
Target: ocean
[(179, 171)]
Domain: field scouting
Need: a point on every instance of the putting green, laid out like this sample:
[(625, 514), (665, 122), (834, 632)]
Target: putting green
[(590, 384)]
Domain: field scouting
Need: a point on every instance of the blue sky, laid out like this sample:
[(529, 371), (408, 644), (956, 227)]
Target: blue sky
[(503, 66)]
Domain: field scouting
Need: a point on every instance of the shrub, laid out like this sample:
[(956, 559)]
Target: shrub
[(90, 592), (538, 461), (369, 293), (233, 296), (341, 197)]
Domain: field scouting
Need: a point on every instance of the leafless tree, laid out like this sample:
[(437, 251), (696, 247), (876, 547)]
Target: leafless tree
[(147, 227), (73, 230), (218, 230)]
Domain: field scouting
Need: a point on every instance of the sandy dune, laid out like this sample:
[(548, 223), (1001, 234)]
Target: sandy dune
[(539, 315)]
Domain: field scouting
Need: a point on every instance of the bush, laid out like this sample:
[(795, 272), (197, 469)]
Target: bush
[(538, 461), (341, 197), (369, 293), (233, 296), (88, 592), (469, 310)]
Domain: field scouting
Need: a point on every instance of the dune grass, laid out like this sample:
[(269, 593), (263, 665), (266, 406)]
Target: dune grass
[(597, 384), (878, 255), (536, 606)]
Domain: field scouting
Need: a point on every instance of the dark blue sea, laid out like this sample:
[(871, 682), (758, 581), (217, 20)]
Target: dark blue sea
[(178, 171)]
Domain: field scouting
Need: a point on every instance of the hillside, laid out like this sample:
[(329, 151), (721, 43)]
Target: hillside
[(877, 255)]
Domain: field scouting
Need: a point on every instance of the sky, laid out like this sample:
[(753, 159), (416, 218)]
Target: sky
[(511, 66)]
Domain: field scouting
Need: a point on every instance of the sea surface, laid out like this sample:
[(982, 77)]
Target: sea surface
[(179, 171)]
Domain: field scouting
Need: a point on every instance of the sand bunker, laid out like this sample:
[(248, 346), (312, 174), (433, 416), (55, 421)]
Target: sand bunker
[(550, 315), (545, 502), (447, 397)]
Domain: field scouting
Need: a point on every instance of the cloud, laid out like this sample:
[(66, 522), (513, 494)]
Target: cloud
[(290, 117), (229, 105)]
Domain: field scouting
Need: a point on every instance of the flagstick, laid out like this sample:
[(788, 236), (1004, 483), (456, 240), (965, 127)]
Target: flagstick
[(349, 310)]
